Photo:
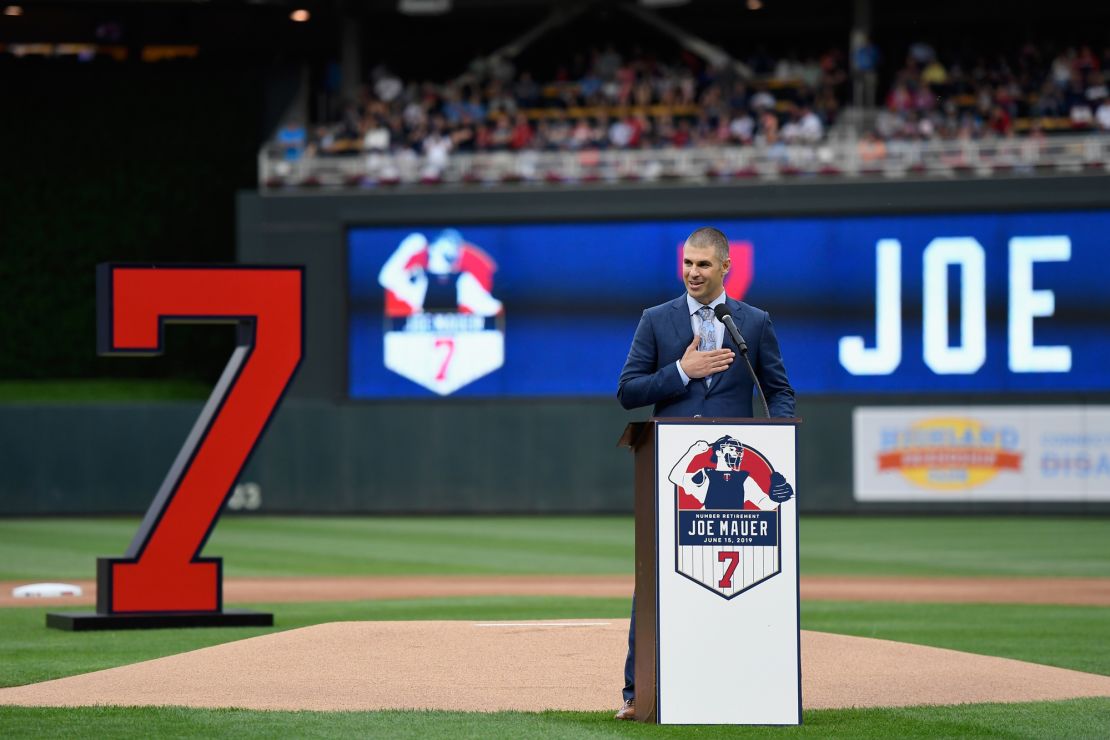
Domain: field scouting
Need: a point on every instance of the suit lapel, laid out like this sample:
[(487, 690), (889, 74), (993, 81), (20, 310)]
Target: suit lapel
[(728, 376), (737, 313), (680, 318)]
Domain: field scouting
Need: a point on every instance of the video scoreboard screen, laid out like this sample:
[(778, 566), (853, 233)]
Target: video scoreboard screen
[(933, 303)]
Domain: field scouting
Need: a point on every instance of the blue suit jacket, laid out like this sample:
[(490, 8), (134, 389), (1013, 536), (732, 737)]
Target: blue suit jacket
[(650, 376)]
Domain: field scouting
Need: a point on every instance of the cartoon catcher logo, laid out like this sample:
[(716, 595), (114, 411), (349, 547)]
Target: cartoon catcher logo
[(727, 496), (444, 329)]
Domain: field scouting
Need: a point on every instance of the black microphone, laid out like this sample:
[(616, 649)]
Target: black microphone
[(722, 314)]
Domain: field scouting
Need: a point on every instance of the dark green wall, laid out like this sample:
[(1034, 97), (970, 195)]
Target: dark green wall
[(115, 161), (318, 456), (323, 453)]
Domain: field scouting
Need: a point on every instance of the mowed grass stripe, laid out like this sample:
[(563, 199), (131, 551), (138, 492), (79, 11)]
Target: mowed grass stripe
[(954, 546), (1075, 637), (275, 546), (1076, 718), (49, 549), (428, 546)]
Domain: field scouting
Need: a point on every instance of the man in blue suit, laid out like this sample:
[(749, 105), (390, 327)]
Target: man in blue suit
[(681, 361)]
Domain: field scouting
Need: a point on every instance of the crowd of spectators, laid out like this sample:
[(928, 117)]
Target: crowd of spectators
[(607, 100), (942, 96), (601, 100)]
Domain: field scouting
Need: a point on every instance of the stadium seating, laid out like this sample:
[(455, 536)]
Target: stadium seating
[(638, 118)]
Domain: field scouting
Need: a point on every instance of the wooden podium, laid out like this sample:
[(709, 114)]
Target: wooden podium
[(717, 632)]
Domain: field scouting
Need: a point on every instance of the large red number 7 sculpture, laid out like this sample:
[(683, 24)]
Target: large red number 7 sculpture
[(162, 580)]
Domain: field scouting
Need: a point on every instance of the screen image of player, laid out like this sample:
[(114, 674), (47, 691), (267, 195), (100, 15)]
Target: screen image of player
[(988, 302)]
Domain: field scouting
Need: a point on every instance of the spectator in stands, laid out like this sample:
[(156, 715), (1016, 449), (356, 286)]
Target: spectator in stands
[(1086, 63), (872, 149), (934, 74), (527, 92), (607, 64), (1000, 122), (1075, 99), (558, 134), (502, 135), (292, 138), (1050, 103), (387, 86), (464, 137), (620, 134), (788, 68), (437, 146), (664, 131), (762, 99), (483, 137), (741, 128), (810, 128), (920, 54), (641, 131), (1102, 115), (1096, 88), (683, 136), (768, 134), (376, 137), (522, 134)]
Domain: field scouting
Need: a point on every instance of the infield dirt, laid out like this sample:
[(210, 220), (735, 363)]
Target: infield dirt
[(529, 666)]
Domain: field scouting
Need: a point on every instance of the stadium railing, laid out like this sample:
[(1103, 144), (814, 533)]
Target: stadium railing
[(831, 159)]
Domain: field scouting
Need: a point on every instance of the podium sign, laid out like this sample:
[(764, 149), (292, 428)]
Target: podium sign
[(717, 554)]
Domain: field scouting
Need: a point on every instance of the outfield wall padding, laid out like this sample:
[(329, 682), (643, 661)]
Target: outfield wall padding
[(321, 457)]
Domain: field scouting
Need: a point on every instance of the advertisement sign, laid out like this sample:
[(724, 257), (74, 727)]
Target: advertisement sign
[(982, 453), (864, 304)]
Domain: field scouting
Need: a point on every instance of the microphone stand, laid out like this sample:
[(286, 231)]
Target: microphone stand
[(721, 311)]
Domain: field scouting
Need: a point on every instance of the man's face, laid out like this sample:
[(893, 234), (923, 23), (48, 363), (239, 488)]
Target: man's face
[(442, 255), (731, 454), (703, 272)]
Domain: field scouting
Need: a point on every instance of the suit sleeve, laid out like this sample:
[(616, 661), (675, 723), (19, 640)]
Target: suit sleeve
[(772, 374), (642, 381)]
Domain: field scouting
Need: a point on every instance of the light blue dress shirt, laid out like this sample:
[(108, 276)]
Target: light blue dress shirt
[(695, 324)]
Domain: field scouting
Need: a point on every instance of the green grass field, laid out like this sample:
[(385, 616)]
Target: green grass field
[(1081, 718), (1071, 637), (274, 546)]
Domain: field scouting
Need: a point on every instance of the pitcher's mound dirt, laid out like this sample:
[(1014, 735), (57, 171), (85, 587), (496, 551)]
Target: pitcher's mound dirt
[(530, 666)]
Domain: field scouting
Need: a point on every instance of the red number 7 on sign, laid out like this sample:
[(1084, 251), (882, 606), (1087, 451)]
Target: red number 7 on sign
[(733, 558), (162, 570)]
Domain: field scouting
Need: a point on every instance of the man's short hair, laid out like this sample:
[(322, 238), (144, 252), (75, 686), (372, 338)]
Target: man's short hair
[(707, 236)]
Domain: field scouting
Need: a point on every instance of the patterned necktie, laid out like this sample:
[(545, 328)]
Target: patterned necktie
[(707, 336)]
